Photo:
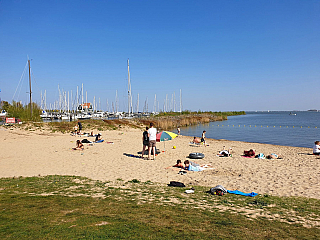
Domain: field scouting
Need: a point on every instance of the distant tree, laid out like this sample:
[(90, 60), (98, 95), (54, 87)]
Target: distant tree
[(5, 105), (17, 110)]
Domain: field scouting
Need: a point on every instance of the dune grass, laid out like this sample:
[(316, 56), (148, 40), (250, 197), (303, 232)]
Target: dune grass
[(69, 207)]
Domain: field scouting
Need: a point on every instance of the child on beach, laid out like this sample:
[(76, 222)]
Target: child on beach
[(316, 148), (145, 141), (203, 137)]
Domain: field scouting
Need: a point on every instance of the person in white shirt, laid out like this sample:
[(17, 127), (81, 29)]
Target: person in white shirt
[(152, 133), (316, 148)]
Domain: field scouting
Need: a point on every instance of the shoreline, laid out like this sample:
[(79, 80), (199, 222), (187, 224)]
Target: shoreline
[(33, 153)]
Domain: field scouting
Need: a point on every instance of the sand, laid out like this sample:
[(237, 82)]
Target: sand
[(39, 153)]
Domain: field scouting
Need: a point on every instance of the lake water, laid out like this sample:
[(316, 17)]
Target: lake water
[(279, 128)]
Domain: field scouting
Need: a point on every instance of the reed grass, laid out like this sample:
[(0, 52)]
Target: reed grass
[(163, 121), (170, 120)]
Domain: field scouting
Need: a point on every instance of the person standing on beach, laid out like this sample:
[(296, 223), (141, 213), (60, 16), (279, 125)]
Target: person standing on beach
[(80, 127), (178, 130), (152, 134), (145, 141), (203, 137)]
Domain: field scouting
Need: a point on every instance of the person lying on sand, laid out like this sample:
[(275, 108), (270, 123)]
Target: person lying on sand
[(196, 140), (190, 167), (225, 153), (273, 156), (79, 146), (250, 153), (178, 165)]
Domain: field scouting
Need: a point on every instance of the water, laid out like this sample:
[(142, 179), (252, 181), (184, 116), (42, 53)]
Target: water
[(278, 128)]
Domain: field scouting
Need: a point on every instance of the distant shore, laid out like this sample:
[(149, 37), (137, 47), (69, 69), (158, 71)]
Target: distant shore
[(33, 153)]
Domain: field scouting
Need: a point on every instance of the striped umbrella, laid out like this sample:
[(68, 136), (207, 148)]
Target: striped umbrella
[(165, 136)]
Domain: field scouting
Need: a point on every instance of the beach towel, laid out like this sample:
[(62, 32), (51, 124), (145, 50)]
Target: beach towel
[(196, 144), (252, 194), (100, 141)]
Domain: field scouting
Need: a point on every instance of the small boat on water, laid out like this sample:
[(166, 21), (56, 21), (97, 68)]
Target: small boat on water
[(293, 114)]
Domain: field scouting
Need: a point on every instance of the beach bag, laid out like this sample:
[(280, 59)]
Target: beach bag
[(218, 190), (85, 141), (261, 156), (176, 184)]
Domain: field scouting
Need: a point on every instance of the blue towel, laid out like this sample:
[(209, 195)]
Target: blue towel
[(253, 194)]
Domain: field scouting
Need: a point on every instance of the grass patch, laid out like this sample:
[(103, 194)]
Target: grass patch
[(69, 207)]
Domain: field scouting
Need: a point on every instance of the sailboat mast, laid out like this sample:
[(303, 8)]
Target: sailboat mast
[(129, 89), (30, 88)]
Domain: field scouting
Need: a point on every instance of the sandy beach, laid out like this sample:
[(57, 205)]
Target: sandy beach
[(32, 153)]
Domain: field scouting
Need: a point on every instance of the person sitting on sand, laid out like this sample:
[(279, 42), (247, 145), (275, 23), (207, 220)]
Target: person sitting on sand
[(196, 140), (316, 148), (225, 153), (79, 146), (98, 137), (190, 167), (178, 165), (249, 153)]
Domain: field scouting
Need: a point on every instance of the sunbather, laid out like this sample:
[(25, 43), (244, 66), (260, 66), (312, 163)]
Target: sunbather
[(273, 156), (225, 153), (191, 167), (250, 153), (79, 146), (196, 140), (178, 165)]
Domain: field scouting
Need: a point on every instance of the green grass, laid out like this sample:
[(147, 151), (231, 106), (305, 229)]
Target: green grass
[(69, 207)]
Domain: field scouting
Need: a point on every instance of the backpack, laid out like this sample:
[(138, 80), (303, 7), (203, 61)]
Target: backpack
[(176, 184), (218, 190)]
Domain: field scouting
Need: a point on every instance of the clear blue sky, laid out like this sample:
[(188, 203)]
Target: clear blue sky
[(224, 55)]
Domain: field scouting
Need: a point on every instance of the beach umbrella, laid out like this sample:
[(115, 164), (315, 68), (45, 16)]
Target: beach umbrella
[(165, 136)]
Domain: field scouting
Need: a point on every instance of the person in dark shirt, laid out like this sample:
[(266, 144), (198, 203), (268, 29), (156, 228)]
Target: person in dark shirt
[(79, 127), (145, 141)]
